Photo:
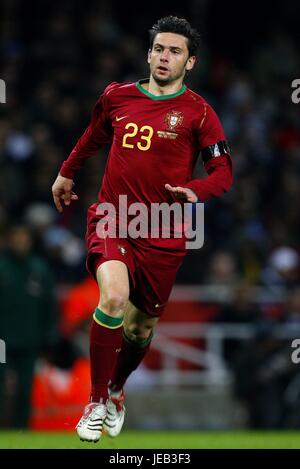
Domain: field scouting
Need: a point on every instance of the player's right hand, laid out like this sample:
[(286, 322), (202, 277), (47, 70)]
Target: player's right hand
[(62, 190)]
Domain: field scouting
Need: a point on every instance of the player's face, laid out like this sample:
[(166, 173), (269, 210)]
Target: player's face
[(169, 58)]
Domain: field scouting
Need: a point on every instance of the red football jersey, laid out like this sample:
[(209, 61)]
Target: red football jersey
[(154, 140)]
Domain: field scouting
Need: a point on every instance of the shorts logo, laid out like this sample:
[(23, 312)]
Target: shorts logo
[(122, 250), (173, 119)]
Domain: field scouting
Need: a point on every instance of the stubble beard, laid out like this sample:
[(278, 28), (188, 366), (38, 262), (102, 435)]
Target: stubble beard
[(166, 81), (161, 81)]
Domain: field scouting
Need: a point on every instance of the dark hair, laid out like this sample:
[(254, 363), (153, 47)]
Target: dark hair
[(173, 24)]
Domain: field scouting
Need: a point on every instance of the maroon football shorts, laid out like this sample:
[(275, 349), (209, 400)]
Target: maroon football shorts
[(152, 270)]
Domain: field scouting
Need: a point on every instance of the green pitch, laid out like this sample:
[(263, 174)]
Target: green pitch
[(155, 439)]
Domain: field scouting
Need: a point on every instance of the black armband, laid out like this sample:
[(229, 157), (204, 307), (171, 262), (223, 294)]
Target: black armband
[(217, 149)]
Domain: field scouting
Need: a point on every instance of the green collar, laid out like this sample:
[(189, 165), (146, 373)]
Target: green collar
[(153, 96)]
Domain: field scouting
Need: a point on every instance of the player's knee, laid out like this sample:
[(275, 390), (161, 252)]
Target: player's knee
[(114, 304), (137, 333)]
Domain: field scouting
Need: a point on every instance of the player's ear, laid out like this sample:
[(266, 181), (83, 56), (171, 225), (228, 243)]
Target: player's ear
[(190, 63), (149, 55)]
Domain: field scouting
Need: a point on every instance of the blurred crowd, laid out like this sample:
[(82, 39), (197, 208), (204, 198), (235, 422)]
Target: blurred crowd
[(56, 65)]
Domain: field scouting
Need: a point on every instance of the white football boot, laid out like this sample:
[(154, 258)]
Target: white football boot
[(89, 427), (114, 420)]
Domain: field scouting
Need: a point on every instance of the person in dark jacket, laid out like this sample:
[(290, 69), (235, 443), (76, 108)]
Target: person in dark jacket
[(27, 322)]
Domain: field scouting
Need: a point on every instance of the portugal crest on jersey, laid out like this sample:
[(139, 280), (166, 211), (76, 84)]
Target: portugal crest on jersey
[(173, 119)]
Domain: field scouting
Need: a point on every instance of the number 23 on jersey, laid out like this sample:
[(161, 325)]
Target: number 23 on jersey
[(145, 135)]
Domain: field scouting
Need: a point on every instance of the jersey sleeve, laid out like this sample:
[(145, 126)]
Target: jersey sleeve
[(98, 133), (216, 158)]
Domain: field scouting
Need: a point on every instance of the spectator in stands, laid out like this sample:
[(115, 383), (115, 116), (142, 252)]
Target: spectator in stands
[(222, 277), (263, 372), (241, 310), (282, 270), (27, 322)]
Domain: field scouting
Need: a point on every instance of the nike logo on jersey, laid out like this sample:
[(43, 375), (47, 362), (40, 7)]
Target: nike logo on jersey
[(120, 118)]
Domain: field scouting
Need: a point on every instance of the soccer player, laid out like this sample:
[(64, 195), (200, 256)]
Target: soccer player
[(156, 128)]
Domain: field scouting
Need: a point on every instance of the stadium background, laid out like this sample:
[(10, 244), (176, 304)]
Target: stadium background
[(55, 59)]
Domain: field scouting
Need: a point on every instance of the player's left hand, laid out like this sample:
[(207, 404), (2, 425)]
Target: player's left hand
[(182, 193)]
